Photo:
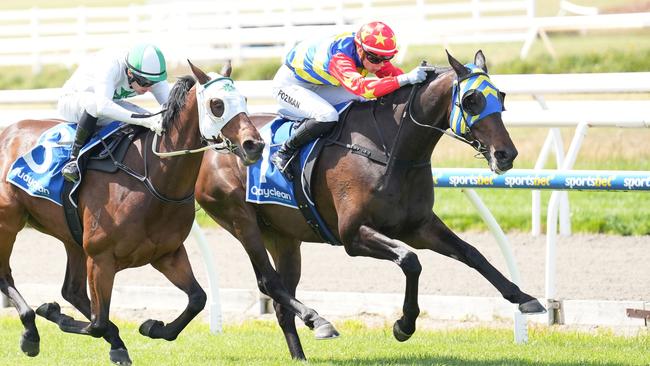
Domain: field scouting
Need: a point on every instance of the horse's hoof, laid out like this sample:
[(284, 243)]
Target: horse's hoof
[(326, 331), (30, 347), (532, 307), (120, 356), (49, 310), (150, 327), (399, 334)]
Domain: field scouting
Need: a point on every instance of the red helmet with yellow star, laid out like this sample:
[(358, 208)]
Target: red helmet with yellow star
[(378, 38)]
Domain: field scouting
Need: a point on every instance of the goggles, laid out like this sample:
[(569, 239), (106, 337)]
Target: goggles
[(376, 59), (141, 80)]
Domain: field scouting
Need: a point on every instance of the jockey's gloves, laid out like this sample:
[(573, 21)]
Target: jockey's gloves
[(150, 121), (417, 75)]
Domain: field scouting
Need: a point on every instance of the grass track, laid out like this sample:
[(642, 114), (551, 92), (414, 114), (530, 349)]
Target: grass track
[(261, 343)]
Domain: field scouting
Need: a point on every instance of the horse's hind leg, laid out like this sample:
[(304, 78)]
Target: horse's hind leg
[(435, 235), (176, 267), (30, 340), (101, 274), (74, 290), (12, 222), (286, 256), (246, 230), (368, 242)]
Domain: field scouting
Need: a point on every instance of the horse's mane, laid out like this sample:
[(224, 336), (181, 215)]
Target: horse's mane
[(176, 101)]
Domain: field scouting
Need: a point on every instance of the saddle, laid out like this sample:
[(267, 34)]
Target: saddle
[(113, 149), (104, 157)]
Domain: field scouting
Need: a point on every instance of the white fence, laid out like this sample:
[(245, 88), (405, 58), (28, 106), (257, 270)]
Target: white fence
[(211, 30), (536, 111), (261, 29)]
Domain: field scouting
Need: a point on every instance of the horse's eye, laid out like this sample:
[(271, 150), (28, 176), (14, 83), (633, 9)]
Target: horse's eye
[(217, 107)]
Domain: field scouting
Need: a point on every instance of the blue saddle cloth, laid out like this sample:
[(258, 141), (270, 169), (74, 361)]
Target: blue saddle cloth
[(38, 172), (265, 183)]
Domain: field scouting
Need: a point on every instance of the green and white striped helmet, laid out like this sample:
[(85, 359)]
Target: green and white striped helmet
[(147, 60)]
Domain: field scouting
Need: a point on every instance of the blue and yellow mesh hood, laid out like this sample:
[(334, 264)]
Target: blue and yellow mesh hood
[(459, 120)]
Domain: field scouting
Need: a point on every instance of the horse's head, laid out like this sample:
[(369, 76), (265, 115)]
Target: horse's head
[(223, 116), (476, 113)]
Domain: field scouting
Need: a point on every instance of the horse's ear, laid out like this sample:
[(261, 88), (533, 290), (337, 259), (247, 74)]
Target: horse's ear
[(479, 60), (226, 70), (457, 66), (200, 75)]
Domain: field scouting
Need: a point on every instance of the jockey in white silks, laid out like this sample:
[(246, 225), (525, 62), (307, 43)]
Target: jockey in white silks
[(95, 94)]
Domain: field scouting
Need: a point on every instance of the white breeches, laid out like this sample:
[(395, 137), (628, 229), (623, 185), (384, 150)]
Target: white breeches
[(71, 107), (300, 100)]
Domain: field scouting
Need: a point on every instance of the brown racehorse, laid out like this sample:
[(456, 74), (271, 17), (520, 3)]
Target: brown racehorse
[(125, 225), (369, 205)]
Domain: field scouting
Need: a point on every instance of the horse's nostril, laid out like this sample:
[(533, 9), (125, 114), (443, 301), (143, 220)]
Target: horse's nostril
[(253, 147), (501, 155)]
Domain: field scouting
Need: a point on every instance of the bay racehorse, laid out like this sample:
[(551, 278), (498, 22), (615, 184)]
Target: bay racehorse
[(368, 204), (125, 224)]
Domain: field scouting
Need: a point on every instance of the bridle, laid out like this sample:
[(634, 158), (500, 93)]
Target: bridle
[(467, 137), (222, 144), (386, 157)]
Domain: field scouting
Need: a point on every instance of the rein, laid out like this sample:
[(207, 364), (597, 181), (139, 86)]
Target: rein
[(222, 144), (385, 157), (144, 179), (475, 144), (225, 144)]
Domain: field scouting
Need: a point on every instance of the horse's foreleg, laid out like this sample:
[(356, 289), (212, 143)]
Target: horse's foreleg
[(74, 290), (176, 267), (248, 233), (286, 256), (435, 235), (369, 242)]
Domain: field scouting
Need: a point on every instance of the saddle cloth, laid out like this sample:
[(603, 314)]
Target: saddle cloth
[(38, 172), (265, 183)]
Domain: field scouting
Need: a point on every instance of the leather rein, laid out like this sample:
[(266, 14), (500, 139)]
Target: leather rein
[(226, 145), (385, 157)]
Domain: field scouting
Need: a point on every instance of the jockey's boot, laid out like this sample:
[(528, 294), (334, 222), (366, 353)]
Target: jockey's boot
[(308, 130), (85, 129)]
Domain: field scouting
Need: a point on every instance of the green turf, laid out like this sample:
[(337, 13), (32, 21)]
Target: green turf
[(262, 343), (591, 212)]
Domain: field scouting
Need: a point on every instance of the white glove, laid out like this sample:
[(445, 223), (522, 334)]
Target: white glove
[(417, 75), (152, 122)]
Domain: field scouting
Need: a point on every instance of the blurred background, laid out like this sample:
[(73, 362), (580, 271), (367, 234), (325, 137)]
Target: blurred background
[(41, 42), (48, 38)]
